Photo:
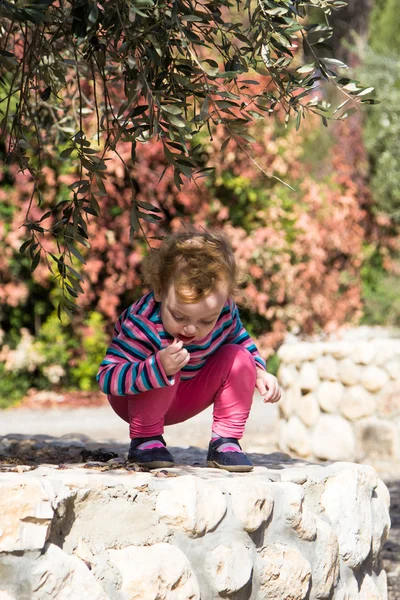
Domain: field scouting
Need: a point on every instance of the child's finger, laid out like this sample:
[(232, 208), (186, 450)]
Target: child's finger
[(261, 387), (184, 361), (176, 346)]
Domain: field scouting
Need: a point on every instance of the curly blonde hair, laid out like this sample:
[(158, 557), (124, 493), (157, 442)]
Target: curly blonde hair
[(196, 261)]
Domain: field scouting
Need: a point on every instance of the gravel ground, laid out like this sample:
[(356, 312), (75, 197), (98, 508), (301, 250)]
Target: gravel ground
[(100, 427)]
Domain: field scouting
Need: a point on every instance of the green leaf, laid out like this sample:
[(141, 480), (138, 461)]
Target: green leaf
[(67, 152), (76, 253), (35, 261), (25, 245), (148, 206), (171, 109), (225, 143)]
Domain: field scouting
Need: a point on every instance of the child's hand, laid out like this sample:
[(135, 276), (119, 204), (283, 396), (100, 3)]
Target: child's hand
[(268, 386), (174, 357)]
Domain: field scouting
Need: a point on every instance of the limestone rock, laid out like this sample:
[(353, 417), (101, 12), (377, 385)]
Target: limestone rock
[(298, 353), (349, 373), (376, 439), (325, 572), (341, 349), (290, 511), (230, 568), (380, 503), (159, 571), (369, 589), (329, 395), (389, 400), (289, 400), (373, 378), (251, 499), (191, 504), (347, 502), (285, 573), (333, 439), (327, 368), (92, 509), (295, 437), (364, 352), (308, 409), (58, 575), (392, 367), (287, 375), (357, 403), (25, 514), (308, 377)]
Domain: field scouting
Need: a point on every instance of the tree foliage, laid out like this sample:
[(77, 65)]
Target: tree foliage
[(88, 77)]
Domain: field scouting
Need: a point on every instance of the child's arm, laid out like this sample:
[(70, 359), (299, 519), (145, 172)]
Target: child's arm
[(266, 383), (238, 335), (132, 364)]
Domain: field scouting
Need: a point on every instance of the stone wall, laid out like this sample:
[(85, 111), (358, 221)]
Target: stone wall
[(341, 398), (290, 531)]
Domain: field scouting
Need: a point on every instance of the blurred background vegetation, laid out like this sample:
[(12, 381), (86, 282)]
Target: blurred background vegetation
[(314, 259)]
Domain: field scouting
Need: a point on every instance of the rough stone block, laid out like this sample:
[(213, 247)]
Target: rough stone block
[(25, 514), (376, 439), (191, 504), (327, 368), (159, 571), (333, 439), (294, 436), (308, 377), (389, 400), (329, 395), (251, 499), (349, 372), (357, 403), (285, 573), (230, 568), (307, 409), (373, 378)]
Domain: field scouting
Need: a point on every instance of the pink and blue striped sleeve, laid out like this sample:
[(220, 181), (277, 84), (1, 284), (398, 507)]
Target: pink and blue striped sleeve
[(132, 364), (238, 335)]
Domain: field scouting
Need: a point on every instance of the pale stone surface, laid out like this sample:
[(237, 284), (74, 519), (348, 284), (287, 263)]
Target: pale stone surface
[(325, 572), (373, 378), (291, 512), (369, 589), (63, 577), (298, 353), (287, 375), (380, 503), (294, 436), (347, 502), (333, 439), (329, 395), (393, 368), (159, 571), (92, 522), (357, 403), (308, 409), (364, 353), (308, 377), (230, 567), (252, 501), (340, 349), (191, 504), (289, 400), (376, 439), (25, 515), (389, 400), (327, 368), (349, 373), (285, 573)]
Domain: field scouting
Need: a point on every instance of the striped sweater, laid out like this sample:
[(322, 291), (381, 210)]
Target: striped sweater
[(132, 364)]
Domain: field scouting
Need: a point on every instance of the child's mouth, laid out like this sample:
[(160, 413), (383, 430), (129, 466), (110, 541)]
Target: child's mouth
[(186, 339)]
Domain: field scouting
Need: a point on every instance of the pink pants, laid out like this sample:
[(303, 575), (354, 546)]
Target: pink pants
[(227, 380)]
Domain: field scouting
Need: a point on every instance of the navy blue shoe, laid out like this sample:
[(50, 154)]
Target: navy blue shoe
[(236, 462), (154, 456)]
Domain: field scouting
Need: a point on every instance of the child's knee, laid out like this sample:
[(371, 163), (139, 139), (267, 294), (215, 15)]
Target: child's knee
[(239, 359)]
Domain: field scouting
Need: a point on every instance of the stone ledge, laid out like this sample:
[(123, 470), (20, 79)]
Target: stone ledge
[(286, 531)]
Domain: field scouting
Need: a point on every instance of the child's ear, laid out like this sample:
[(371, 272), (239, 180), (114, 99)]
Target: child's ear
[(157, 293)]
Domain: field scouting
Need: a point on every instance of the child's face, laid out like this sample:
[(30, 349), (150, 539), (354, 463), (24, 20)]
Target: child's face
[(191, 322)]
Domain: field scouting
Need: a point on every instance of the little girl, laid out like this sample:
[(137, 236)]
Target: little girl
[(183, 347)]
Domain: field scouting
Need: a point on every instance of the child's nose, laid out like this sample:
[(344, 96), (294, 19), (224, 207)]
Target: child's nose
[(190, 329)]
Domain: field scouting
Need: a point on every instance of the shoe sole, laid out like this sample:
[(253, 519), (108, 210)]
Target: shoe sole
[(157, 464), (231, 469)]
